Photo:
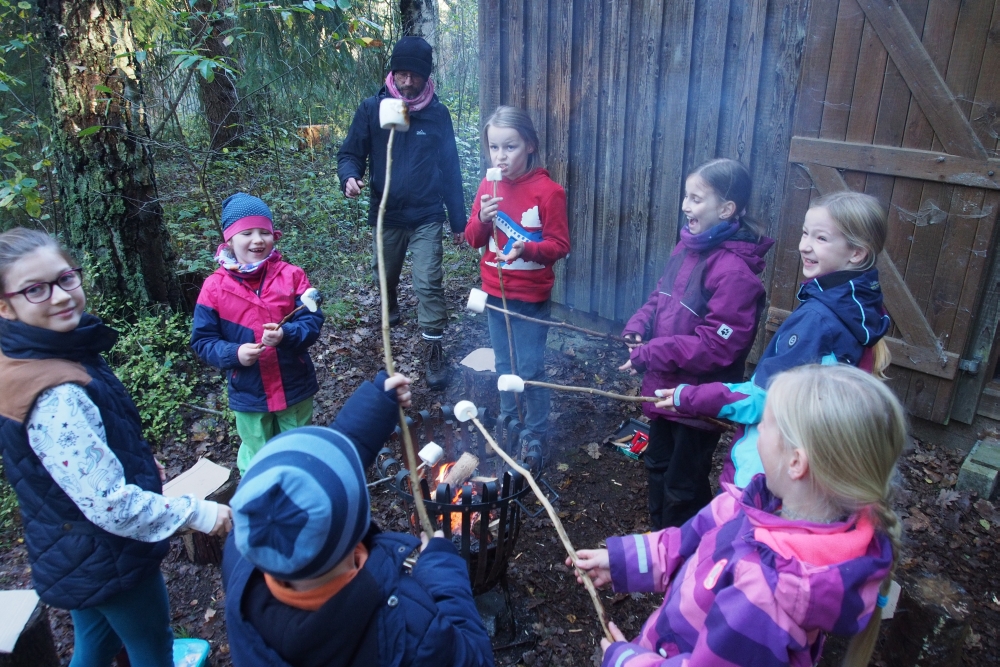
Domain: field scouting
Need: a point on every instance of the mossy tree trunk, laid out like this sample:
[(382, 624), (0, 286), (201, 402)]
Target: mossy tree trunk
[(106, 182), (223, 108)]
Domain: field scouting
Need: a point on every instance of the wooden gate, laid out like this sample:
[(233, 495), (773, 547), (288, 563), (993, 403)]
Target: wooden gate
[(899, 100)]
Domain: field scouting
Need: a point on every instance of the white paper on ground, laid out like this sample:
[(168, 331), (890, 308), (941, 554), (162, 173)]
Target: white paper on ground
[(481, 360), (15, 610), (203, 479), (890, 607)]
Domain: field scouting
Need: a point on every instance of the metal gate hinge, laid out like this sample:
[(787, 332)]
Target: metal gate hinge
[(970, 366)]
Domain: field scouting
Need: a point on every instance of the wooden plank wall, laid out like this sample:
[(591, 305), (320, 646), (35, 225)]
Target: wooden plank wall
[(629, 96), (940, 233)]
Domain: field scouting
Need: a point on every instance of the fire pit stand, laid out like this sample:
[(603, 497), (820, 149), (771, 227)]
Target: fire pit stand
[(482, 516)]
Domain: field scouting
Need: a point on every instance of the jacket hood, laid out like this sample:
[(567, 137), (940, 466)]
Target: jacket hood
[(857, 558), (744, 244), (856, 299), (89, 338)]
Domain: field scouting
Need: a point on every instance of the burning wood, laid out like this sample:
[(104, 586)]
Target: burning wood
[(461, 470)]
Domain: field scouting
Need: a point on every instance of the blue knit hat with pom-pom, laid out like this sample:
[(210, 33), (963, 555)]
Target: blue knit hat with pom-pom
[(241, 212), (303, 505)]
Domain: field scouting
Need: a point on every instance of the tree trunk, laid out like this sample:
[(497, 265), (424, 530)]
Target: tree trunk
[(221, 101), (106, 182), (420, 17)]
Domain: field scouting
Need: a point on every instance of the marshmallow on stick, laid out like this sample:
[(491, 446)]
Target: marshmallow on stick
[(393, 114), (477, 304), (466, 411), (517, 384), (430, 454)]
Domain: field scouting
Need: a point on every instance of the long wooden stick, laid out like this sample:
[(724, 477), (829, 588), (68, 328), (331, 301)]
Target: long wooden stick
[(390, 368), (620, 397), (556, 523), (506, 312), (558, 323)]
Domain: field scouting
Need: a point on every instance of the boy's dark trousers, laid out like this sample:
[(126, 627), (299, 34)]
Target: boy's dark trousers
[(678, 460)]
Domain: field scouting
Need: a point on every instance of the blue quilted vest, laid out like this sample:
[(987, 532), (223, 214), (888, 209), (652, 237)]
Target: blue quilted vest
[(74, 563)]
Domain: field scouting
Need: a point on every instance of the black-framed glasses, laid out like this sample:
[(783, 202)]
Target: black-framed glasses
[(42, 292)]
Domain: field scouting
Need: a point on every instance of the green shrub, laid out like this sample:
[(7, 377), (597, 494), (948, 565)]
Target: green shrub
[(154, 362)]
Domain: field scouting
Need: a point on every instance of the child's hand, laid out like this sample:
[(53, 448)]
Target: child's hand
[(424, 540), (595, 563), (160, 469), (223, 521), (627, 366), (401, 384), (632, 340), (515, 252), (616, 633), (488, 208), (272, 334), (668, 398), (248, 353)]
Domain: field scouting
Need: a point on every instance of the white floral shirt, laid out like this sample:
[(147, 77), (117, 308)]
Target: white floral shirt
[(66, 431)]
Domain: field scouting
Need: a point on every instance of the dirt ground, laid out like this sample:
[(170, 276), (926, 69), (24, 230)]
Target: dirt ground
[(601, 492)]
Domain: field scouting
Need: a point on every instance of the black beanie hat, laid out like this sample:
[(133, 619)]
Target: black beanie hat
[(412, 54)]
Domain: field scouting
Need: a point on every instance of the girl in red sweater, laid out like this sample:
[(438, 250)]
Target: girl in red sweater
[(524, 229)]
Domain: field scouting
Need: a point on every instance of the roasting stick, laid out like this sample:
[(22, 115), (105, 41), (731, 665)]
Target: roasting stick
[(311, 300), (477, 304), (393, 115), (465, 411), (516, 384), (495, 175)]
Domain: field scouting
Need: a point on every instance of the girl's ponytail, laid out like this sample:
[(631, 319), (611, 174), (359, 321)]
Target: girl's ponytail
[(882, 358), (859, 650)]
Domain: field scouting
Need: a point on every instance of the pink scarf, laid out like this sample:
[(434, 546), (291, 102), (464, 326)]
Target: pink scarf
[(418, 102)]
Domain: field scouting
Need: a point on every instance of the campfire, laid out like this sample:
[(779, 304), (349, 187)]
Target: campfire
[(470, 494)]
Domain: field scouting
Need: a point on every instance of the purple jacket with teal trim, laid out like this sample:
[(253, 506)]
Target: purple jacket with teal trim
[(736, 590), (229, 314), (840, 320), (700, 321)]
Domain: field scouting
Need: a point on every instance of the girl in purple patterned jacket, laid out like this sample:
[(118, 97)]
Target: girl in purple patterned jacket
[(758, 576)]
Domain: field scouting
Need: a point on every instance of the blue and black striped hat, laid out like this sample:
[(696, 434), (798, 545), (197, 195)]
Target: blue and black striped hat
[(303, 505)]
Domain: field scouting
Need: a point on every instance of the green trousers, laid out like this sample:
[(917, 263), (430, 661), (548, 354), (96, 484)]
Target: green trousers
[(256, 428)]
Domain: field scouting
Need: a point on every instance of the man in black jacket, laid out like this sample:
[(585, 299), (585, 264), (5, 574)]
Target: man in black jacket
[(426, 180)]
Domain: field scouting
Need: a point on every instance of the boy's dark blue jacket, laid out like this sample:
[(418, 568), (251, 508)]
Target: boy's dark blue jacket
[(425, 167), (74, 564), (385, 616)]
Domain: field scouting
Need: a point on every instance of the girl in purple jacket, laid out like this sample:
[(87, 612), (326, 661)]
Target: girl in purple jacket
[(760, 575), (697, 326)]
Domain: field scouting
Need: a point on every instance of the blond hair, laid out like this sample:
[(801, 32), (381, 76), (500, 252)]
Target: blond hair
[(519, 120), (853, 430), (860, 218), (19, 242)]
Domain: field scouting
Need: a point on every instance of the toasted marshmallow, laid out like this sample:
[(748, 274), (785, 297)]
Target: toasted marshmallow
[(311, 299), (393, 114), (494, 174)]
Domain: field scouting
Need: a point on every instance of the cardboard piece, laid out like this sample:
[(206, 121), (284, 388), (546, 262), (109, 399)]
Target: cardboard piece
[(203, 479), (480, 360), (15, 610), (890, 608)]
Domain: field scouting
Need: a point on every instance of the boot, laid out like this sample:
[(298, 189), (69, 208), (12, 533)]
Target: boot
[(393, 309), (435, 369)]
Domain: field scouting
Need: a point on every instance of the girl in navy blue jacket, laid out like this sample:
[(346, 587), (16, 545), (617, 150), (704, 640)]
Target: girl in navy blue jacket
[(95, 522)]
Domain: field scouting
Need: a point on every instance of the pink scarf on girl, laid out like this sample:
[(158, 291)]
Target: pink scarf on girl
[(419, 102)]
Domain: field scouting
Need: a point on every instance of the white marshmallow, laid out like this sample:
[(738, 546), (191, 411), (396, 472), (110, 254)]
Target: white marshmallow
[(311, 299), (494, 174), (431, 453), (510, 383), (393, 114), (477, 300), (466, 410)]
